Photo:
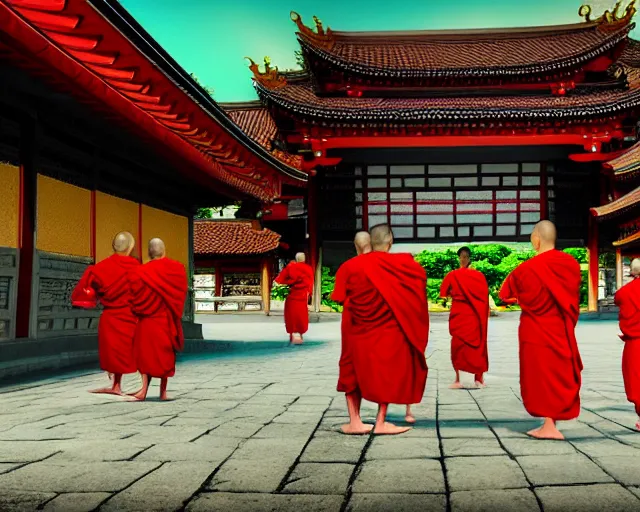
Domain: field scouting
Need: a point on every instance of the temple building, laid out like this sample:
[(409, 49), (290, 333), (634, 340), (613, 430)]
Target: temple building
[(235, 264), (102, 131), (465, 136)]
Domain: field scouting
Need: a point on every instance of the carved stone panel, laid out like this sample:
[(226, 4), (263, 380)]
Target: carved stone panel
[(57, 275), (8, 290)]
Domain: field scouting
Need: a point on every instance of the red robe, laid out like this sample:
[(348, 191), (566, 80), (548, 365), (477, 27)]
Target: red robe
[(299, 278), (347, 381), (107, 282), (468, 319), (628, 300), (388, 327), (159, 291), (547, 287)]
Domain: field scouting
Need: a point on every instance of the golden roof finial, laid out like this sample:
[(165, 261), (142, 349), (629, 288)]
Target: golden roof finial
[(270, 78), (320, 37), (614, 17)]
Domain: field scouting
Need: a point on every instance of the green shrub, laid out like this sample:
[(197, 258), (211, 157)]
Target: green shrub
[(495, 261)]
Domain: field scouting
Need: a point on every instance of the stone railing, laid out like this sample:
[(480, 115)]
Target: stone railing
[(8, 292), (56, 275)]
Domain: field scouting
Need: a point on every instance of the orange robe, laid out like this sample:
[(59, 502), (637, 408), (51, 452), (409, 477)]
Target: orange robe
[(388, 327), (347, 381), (628, 300), (107, 282), (159, 291), (547, 287), (299, 278), (468, 319)]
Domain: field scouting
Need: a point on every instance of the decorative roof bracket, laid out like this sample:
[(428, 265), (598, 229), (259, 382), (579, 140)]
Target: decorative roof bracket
[(614, 17), (321, 37), (270, 79)]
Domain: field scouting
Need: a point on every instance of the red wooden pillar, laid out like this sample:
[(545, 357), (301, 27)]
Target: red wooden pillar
[(312, 232), (594, 271), (265, 284), (619, 268), (28, 227)]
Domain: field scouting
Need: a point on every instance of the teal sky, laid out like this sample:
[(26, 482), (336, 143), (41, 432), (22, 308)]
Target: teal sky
[(211, 37)]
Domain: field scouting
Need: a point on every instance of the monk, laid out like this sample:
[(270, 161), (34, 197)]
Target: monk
[(299, 277), (388, 330), (547, 287), (628, 300), (107, 282), (347, 382), (468, 319), (159, 291)]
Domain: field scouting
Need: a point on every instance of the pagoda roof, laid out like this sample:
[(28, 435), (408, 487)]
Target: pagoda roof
[(628, 240), (617, 207), (232, 238), (626, 164), (101, 55), (467, 53), (301, 100), (254, 120)]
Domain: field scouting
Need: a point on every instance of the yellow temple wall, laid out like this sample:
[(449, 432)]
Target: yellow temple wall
[(172, 229), (9, 205), (112, 216), (64, 218)]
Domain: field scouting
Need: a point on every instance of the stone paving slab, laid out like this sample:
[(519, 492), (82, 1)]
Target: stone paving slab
[(607, 498), (397, 502), (520, 500), (76, 502), (262, 432), (265, 503), (479, 473)]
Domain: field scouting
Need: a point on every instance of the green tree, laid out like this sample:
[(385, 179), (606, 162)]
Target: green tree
[(300, 61)]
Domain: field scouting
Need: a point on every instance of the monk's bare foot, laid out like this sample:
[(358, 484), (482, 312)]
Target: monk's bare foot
[(456, 385), (410, 418), (140, 396), (546, 432), (638, 425), (165, 398), (356, 429), (296, 340), (107, 391), (389, 429), (480, 384)]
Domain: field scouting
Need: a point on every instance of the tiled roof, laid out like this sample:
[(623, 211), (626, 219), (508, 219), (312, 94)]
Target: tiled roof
[(103, 56), (213, 237), (301, 100), (473, 53), (626, 164), (617, 207), (627, 240), (257, 123)]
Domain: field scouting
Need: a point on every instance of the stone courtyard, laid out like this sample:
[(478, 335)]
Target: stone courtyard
[(257, 430)]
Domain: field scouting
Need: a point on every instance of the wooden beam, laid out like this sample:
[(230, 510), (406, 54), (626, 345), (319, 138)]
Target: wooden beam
[(619, 268), (594, 271), (26, 302), (265, 285)]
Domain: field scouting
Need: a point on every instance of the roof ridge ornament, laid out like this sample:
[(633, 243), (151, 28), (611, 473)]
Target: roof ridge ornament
[(320, 37), (270, 79), (614, 17)]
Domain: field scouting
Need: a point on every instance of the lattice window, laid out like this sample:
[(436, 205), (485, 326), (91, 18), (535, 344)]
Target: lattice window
[(424, 202)]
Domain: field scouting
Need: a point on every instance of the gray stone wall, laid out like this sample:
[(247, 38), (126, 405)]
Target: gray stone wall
[(56, 277), (8, 291)]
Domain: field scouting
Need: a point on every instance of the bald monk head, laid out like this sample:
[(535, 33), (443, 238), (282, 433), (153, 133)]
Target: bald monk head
[(156, 249), (635, 268), (543, 236), (362, 241), (381, 238), (123, 243), (300, 257)]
